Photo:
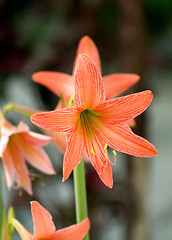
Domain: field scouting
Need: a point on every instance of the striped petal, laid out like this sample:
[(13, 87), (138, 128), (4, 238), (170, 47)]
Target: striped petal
[(8, 167), (74, 152), (42, 220), (88, 47), (124, 108), (35, 155), (15, 164), (89, 89), (121, 138), (59, 139), (74, 232), (131, 123), (63, 120), (36, 138), (56, 82), (115, 84), (95, 147)]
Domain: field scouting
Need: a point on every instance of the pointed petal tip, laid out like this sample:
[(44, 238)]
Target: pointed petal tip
[(30, 192), (51, 171), (135, 77), (109, 184), (86, 38), (149, 93), (35, 119), (154, 152), (64, 179), (32, 118), (87, 221), (35, 76), (34, 203)]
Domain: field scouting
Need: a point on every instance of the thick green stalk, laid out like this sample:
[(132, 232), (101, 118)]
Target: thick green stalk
[(28, 112), (80, 194)]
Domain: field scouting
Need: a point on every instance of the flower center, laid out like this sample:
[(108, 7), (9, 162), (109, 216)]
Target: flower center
[(87, 120)]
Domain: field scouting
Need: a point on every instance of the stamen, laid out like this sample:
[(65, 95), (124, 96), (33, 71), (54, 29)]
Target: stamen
[(114, 156), (105, 147), (92, 151), (106, 154), (114, 152)]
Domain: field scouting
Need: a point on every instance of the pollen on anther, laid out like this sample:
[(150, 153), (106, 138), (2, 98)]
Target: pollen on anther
[(114, 152), (115, 156), (92, 151), (105, 147)]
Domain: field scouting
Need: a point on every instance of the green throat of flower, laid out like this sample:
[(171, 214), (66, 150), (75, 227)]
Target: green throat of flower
[(88, 121)]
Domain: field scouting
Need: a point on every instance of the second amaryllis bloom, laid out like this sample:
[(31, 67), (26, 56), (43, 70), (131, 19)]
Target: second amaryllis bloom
[(94, 122), (18, 144), (44, 228), (58, 82)]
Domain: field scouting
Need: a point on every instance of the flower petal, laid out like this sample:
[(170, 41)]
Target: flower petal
[(3, 143), (35, 155), (22, 127), (124, 108), (74, 232), (131, 123), (95, 146), (74, 152), (36, 138), (56, 82), (63, 120), (6, 128), (42, 220), (88, 47), (115, 84), (104, 172), (89, 89), (8, 167), (18, 168), (59, 139), (121, 138)]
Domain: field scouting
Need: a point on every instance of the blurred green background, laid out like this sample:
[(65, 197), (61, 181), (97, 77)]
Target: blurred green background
[(132, 36)]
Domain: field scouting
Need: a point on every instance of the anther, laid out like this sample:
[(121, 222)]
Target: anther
[(105, 147), (92, 151), (115, 157)]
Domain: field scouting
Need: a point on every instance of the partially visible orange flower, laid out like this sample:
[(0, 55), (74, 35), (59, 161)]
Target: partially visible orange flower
[(18, 144), (94, 122), (57, 82), (44, 227)]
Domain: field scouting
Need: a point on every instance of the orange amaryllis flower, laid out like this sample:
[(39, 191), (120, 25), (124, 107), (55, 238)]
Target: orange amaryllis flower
[(44, 228), (94, 122), (17, 144), (57, 82)]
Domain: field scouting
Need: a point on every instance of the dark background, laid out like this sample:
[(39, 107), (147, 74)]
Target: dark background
[(132, 36)]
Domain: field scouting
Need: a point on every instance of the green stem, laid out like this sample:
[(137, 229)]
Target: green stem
[(28, 112), (1, 206), (80, 194)]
